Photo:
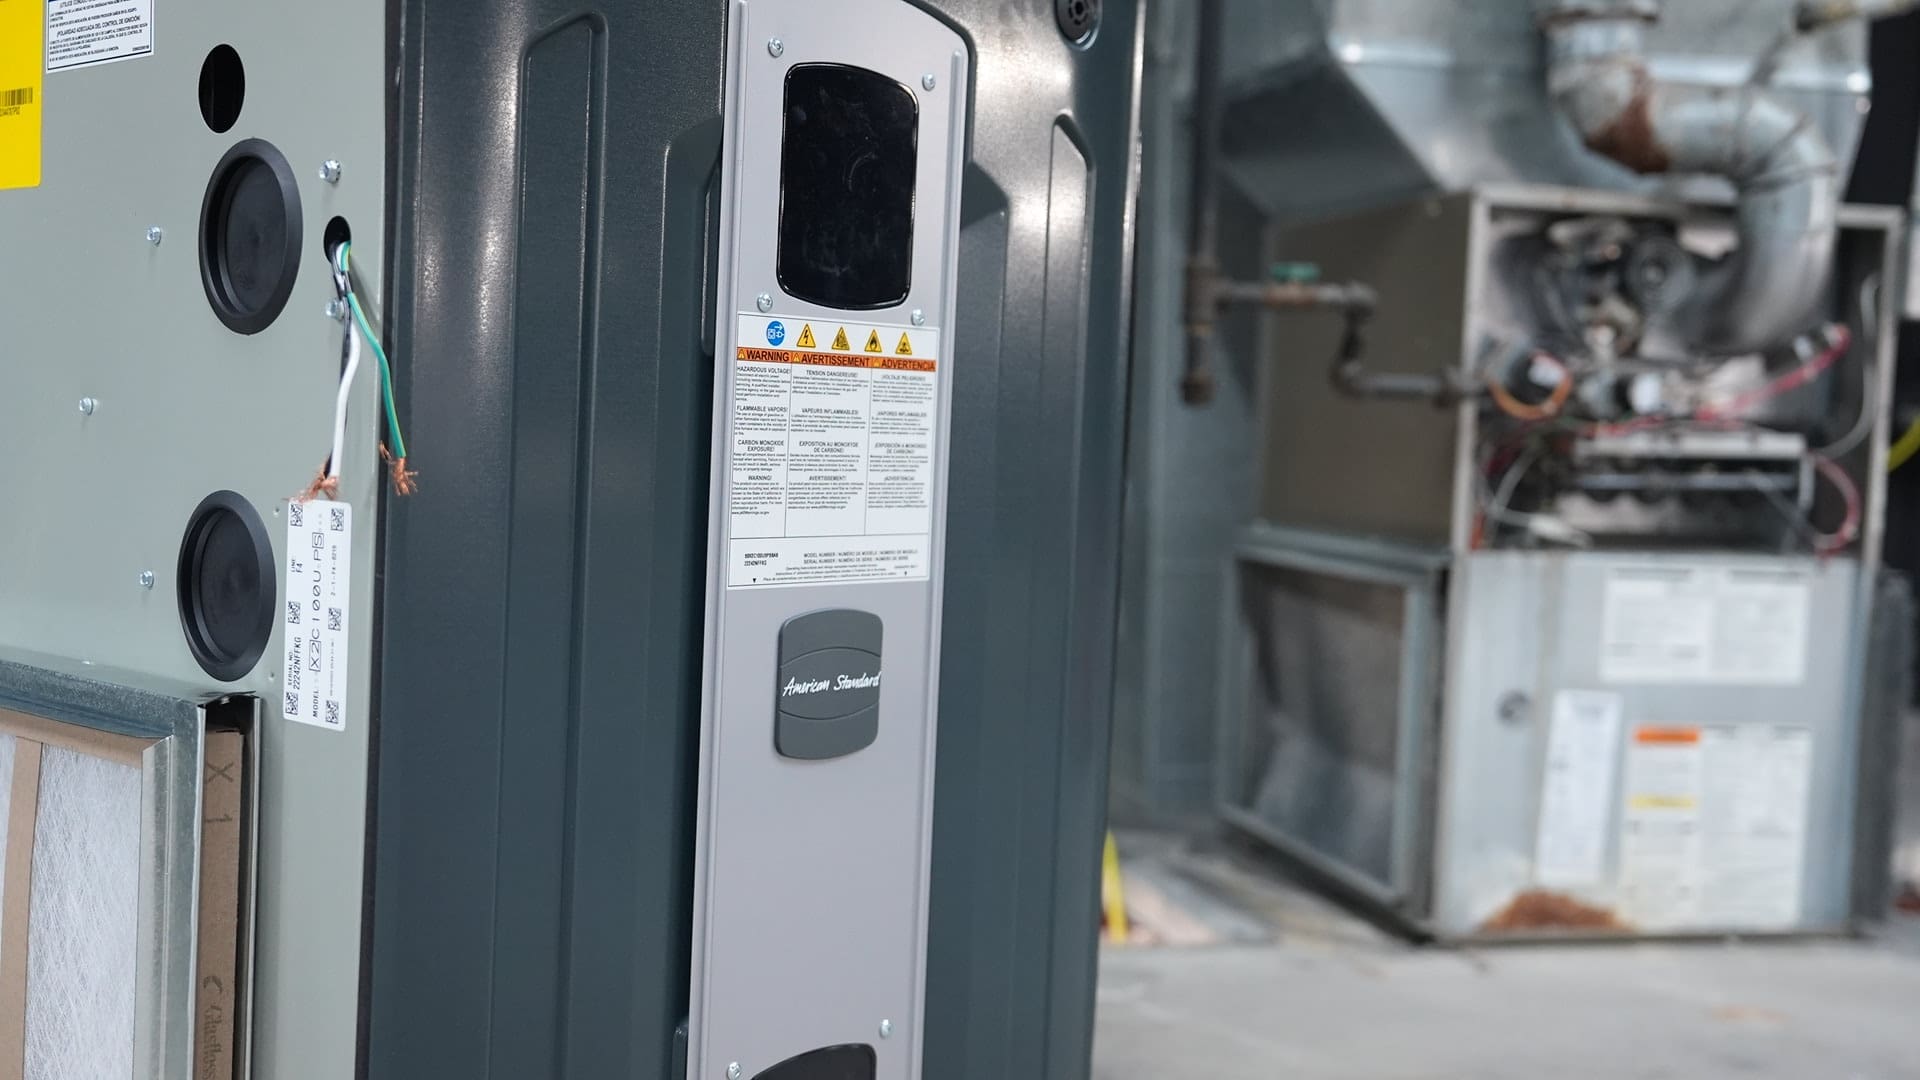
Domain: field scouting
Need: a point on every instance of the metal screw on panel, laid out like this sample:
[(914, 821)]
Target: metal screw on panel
[(330, 171), (926, 81), (155, 234), (733, 1071), (919, 317), (775, 46), (86, 406), (146, 579), (336, 310), (764, 302), (1514, 707), (886, 1028)]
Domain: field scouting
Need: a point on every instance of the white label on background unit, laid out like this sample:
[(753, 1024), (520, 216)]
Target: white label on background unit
[(831, 475), (1660, 828), (81, 33), (1714, 826), (1576, 795), (318, 572), (1753, 824), (1705, 624), (1760, 626)]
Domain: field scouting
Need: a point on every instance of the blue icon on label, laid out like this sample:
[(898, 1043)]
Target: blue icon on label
[(776, 333)]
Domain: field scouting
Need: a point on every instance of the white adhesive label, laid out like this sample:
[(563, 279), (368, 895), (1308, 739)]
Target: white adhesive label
[(1576, 796), (1754, 824), (1660, 856), (81, 33), (1705, 624), (831, 459), (318, 574), (1714, 826)]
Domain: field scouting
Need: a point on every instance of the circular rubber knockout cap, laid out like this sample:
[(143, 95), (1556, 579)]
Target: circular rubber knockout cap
[(250, 236), (226, 586)]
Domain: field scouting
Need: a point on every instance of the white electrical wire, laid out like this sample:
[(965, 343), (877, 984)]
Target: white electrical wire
[(1549, 527), (340, 403)]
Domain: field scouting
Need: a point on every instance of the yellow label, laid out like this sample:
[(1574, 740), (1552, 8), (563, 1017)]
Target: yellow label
[(840, 340), (1663, 802), (23, 29), (873, 342), (806, 336), (905, 348)]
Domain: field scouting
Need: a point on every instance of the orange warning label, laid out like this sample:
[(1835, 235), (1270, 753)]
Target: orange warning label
[(833, 453), (1679, 736), (827, 359)]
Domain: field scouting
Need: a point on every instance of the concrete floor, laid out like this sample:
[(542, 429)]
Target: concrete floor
[(1318, 995), (1839, 1011)]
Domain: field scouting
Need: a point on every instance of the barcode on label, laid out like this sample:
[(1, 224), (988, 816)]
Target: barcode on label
[(14, 98)]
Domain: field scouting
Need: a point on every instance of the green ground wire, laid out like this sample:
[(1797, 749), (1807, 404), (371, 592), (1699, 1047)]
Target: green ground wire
[(386, 369), (386, 376)]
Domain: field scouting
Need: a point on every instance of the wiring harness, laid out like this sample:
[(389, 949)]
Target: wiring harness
[(1505, 466), (394, 449)]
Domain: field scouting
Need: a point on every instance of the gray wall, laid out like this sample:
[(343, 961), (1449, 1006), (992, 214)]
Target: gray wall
[(1190, 472)]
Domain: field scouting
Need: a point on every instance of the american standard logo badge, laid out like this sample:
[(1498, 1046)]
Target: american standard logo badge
[(796, 687)]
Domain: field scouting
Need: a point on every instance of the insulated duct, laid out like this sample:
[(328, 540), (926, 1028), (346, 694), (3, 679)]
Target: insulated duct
[(1785, 176)]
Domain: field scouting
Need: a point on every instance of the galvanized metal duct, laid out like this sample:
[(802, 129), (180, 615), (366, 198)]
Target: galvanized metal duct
[(1784, 174)]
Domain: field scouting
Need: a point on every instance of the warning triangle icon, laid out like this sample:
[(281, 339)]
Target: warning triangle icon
[(806, 337), (905, 348), (873, 342), (840, 340)]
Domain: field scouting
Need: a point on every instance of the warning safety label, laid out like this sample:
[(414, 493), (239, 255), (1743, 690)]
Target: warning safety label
[(831, 456), (1713, 826), (81, 33), (1703, 624)]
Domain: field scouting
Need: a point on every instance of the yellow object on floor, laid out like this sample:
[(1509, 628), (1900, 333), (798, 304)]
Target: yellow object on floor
[(1113, 895)]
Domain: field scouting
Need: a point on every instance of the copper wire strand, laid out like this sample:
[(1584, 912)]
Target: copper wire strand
[(401, 477), (322, 485)]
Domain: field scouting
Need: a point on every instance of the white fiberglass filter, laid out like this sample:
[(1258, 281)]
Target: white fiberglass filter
[(83, 922)]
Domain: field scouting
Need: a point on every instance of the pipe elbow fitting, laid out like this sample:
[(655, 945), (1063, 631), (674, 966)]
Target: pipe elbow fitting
[(1784, 174)]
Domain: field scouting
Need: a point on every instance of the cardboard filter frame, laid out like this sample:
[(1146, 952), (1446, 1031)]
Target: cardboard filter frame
[(197, 758)]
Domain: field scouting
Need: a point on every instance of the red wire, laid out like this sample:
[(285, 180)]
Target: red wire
[(1842, 339), (1850, 495), (1798, 377)]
